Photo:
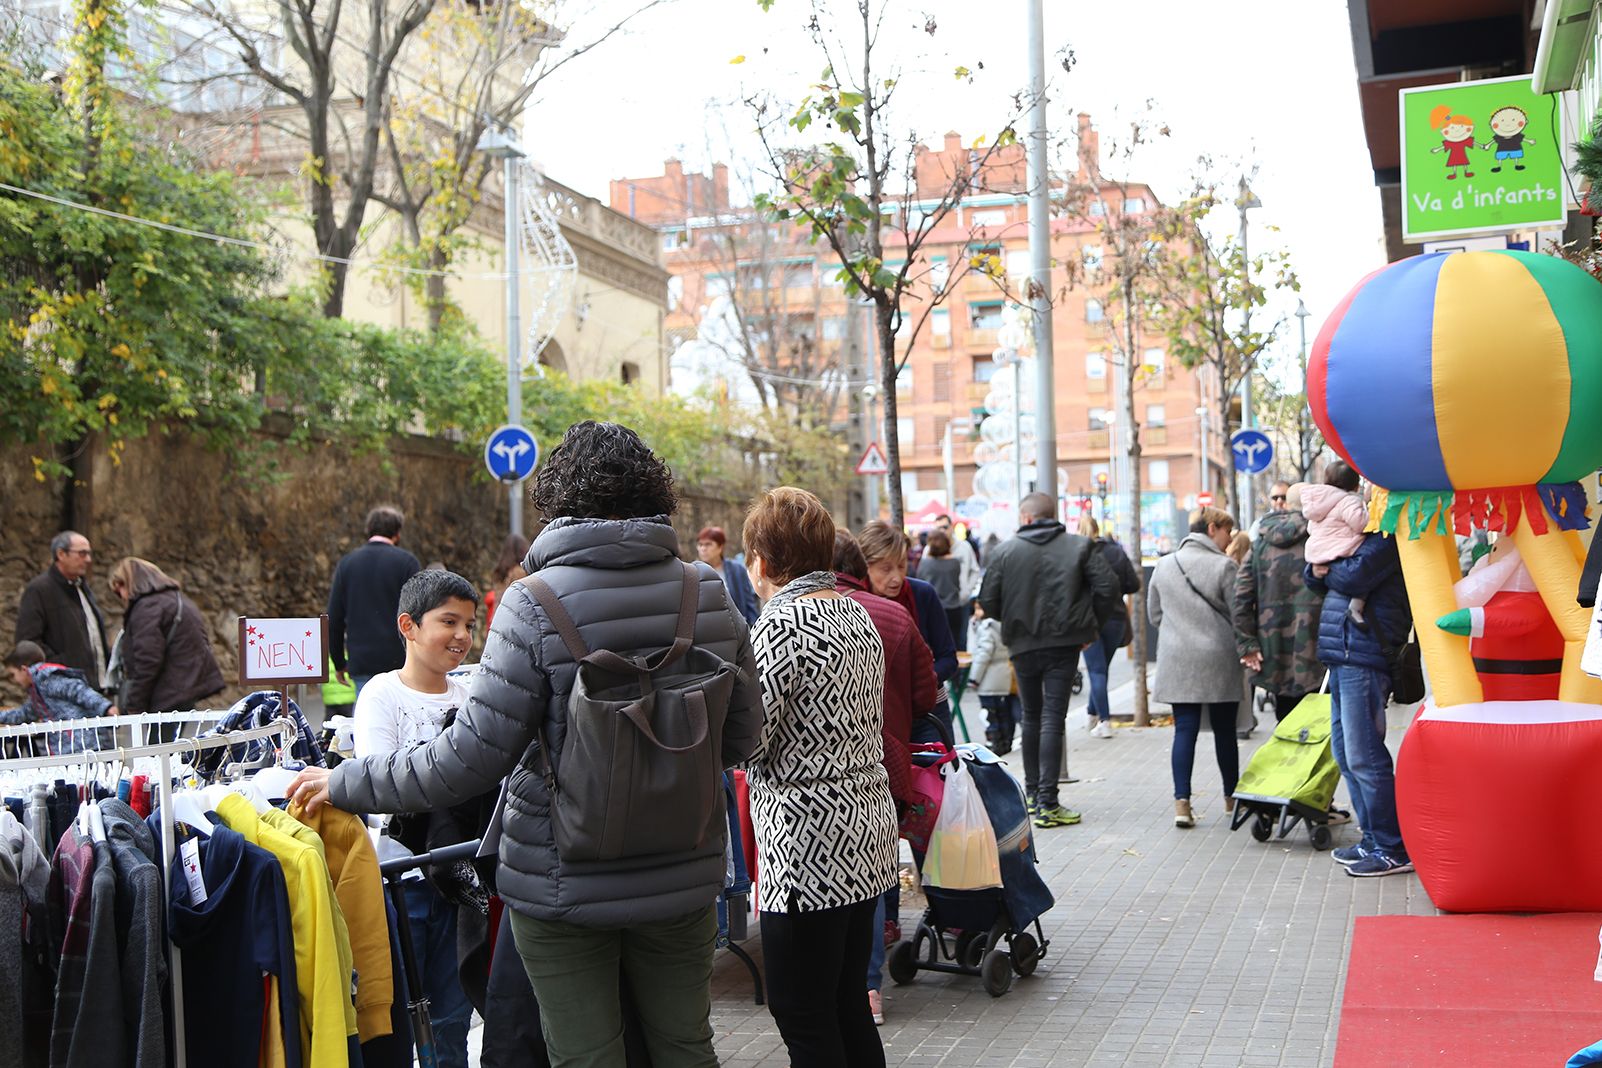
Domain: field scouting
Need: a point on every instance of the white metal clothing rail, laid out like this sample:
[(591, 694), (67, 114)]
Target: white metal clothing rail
[(50, 736), (161, 753)]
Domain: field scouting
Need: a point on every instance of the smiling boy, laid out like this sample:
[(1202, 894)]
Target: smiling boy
[(400, 709), (1507, 134)]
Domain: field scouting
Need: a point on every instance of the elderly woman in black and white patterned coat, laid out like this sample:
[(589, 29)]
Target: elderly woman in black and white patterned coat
[(820, 798)]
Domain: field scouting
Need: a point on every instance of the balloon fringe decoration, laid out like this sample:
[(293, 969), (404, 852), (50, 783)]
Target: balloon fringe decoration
[(1497, 510)]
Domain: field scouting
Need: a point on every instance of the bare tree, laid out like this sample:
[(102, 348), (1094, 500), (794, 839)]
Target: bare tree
[(475, 67), (1120, 276), (773, 329), (863, 195), (1205, 291), (340, 72)]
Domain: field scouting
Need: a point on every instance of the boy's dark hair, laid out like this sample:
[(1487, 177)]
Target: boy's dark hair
[(603, 471), (427, 590), (939, 543), (26, 654), (1340, 474), (385, 521)]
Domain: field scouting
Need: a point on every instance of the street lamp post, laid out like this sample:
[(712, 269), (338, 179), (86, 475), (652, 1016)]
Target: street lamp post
[(1040, 260), (1302, 459), (1246, 201), (498, 143)]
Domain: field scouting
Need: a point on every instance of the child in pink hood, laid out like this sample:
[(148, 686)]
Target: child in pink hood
[(1336, 515)]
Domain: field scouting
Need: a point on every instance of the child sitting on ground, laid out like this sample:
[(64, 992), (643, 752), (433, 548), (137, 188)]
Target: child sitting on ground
[(54, 692), (991, 672), (1336, 515)]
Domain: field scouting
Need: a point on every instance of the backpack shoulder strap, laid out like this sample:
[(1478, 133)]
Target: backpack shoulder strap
[(558, 616), (689, 608)]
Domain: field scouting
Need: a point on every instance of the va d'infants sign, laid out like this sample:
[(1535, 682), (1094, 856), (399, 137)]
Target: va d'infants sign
[(1479, 157)]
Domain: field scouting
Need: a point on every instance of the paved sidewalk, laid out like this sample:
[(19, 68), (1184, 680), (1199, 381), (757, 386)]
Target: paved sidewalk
[(1168, 947)]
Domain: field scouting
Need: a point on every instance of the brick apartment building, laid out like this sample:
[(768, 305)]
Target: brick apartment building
[(712, 248)]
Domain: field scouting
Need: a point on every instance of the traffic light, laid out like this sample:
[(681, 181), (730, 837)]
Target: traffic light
[(1101, 484)]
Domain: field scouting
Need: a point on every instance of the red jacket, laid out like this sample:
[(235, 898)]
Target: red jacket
[(909, 680)]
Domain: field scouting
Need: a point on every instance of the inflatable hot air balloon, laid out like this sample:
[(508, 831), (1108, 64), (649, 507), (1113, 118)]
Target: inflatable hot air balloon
[(1468, 389)]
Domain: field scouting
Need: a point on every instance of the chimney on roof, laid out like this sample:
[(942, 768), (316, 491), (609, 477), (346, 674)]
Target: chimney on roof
[(953, 142), (720, 187), (1089, 149)]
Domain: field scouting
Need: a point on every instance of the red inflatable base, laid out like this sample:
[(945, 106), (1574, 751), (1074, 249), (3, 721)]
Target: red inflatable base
[(1499, 805)]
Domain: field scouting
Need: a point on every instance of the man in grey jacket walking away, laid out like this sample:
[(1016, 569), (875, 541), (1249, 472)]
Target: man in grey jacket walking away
[(1052, 591), (610, 561)]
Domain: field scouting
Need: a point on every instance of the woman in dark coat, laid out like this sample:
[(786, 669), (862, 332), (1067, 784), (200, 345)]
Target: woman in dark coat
[(165, 646)]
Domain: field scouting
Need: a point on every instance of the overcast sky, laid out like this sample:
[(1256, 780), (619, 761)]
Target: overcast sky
[(1244, 81)]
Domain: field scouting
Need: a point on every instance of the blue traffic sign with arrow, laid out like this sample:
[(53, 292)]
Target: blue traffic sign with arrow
[(1253, 450), (511, 453)]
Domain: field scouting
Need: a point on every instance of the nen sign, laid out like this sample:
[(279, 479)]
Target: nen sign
[(1479, 157), (283, 651)]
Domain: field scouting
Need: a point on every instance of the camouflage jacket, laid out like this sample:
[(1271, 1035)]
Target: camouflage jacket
[(1274, 612)]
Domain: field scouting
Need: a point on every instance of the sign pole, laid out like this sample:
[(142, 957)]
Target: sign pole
[(514, 359)]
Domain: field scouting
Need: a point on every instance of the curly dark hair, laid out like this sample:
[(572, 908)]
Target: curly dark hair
[(603, 471)]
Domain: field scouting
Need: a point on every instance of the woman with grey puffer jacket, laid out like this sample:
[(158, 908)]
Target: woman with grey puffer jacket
[(1198, 670), (612, 560)]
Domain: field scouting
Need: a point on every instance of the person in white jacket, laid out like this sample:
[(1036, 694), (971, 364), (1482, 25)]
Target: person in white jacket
[(991, 672)]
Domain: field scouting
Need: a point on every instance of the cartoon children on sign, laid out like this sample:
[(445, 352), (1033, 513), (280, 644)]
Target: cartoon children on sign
[(1507, 133), (1457, 137)]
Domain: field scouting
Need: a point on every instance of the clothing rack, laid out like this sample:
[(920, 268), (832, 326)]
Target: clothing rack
[(33, 739), (161, 753)]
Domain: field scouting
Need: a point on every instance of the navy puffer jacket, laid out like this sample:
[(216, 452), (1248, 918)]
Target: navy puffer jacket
[(1373, 572)]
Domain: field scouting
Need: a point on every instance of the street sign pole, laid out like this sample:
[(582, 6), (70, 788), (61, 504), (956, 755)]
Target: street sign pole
[(514, 358)]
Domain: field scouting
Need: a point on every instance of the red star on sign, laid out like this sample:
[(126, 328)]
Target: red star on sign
[(250, 630), (308, 634), (251, 642)]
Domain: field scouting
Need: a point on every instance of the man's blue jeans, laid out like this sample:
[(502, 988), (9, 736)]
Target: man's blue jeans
[(1357, 698), (433, 923)]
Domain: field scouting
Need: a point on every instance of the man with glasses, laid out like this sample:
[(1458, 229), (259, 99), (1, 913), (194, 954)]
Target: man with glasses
[(1276, 497), (59, 613)]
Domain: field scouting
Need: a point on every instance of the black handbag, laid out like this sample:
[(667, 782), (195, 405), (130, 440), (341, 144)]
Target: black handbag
[(1406, 669)]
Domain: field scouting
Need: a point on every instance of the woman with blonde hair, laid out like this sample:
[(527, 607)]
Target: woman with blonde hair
[(1198, 671), (821, 805), (1115, 633), (163, 655)]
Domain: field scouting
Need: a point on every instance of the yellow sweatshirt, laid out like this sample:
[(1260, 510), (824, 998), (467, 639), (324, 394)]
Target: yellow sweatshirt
[(320, 979), (306, 836), (353, 864)]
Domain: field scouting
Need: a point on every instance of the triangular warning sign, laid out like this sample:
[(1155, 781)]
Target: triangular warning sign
[(873, 461)]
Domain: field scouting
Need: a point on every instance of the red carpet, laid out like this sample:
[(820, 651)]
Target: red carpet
[(1501, 990)]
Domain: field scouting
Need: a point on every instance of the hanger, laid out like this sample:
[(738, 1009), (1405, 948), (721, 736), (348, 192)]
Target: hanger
[(274, 782)]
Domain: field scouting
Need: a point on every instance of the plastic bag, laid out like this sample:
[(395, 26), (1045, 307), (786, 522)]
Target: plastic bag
[(962, 850)]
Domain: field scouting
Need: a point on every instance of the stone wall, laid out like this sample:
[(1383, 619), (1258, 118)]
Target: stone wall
[(265, 541)]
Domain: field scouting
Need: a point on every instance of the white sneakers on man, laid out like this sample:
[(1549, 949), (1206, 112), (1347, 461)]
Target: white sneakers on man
[(1102, 729)]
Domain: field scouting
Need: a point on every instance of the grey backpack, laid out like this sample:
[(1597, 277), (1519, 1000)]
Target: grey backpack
[(641, 770)]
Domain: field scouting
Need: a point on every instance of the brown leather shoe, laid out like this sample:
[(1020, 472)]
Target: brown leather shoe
[(1183, 817)]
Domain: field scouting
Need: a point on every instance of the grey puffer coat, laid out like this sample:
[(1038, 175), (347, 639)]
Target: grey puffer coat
[(1196, 658), (620, 580)]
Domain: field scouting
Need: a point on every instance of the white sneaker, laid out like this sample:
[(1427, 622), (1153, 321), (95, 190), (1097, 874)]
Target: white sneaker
[(1091, 724), (1102, 729)]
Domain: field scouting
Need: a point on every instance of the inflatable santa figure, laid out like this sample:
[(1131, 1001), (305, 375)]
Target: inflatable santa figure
[(1517, 648)]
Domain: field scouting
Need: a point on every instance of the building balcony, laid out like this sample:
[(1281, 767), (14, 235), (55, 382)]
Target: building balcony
[(981, 341)]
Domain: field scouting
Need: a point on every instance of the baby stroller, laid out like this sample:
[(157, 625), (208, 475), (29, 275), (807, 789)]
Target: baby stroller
[(962, 931), (1292, 778)]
